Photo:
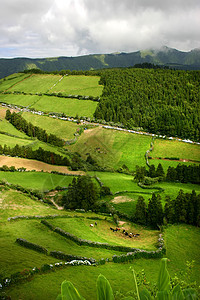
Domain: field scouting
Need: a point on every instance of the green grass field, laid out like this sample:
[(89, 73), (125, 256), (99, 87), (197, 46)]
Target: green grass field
[(62, 129), (113, 148), (79, 85), (11, 80), (36, 180), (37, 83), (182, 243), (5, 126), (21, 100), (166, 148), (12, 141), (70, 107)]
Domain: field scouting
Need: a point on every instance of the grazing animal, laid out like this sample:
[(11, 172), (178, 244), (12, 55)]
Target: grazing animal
[(96, 223), (91, 225), (124, 231)]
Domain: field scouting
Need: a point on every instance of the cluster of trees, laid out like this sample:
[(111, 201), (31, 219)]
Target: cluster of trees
[(82, 193), (142, 172), (39, 154), (33, 131), (64, 72), (160, 101), (181, 173), (184, 174), (184, 209)]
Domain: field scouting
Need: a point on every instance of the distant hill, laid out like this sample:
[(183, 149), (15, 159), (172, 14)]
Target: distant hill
[(165, 56)]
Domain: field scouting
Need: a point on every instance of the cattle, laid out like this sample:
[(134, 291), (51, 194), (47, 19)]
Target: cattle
[(91, 225)]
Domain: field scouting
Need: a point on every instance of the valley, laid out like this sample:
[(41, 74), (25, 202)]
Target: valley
[(95, 134)]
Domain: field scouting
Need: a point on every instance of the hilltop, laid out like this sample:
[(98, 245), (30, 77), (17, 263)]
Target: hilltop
[(165, 56)]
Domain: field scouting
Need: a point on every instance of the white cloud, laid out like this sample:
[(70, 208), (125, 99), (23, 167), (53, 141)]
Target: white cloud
[(72, 27)]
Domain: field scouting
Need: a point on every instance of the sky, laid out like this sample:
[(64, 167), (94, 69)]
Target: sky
[(51, 28)]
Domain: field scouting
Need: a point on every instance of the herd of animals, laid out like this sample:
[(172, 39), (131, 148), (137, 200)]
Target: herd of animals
[(130, 235)]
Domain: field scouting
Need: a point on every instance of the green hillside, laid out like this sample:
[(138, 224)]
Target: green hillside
[(112, 147), (164, 56)]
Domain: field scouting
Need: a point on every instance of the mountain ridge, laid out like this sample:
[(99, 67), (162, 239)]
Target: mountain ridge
[(165, 56)]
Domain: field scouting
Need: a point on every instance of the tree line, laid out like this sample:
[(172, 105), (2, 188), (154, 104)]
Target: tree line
[(33, 131), (39, 154), (181, 173), (160, 101), (185, 208)]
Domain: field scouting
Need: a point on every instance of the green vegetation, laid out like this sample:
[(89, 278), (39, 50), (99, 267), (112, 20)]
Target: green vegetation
[(111, 148), (11, 81), (70, 107), (127, 188), (8, 128), (62, 129), (79, 85), (176, 149), (160, 101), (36, 84), (36, 180)]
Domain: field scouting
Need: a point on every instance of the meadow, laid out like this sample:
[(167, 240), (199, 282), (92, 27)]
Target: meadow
[(112, 148), (79, 85), (173, 148), (11, 81), (68, 106), (6, 127), (62, 129), (36, 83), (36, 180), (178, 240)]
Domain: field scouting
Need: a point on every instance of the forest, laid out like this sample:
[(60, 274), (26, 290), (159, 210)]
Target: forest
[(159, 101)]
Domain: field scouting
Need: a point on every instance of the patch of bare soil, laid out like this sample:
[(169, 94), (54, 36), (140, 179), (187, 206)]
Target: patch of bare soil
[(30, 164), (121, 199)]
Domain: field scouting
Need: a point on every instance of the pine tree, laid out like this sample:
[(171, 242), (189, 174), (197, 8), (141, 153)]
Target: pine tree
[(155, 211), (140, 211)]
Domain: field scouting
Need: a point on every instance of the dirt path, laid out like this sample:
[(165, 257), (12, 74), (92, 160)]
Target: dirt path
[(56, 205)]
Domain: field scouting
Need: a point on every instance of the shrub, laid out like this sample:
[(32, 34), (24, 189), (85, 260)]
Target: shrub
[(32, 246)]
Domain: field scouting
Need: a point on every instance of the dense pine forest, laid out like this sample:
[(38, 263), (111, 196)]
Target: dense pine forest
[(160, 101)]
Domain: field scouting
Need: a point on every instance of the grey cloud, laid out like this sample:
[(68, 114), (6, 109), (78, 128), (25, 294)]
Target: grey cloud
[(74, 27)]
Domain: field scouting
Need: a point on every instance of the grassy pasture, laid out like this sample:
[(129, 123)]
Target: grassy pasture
[(36, 180), (5, 126), (11, 80), (15, 203), (102, 233), (34, 143), (166, 148), (62, 129), (70, 107), (113, 148), (12, 141), (36, 83), (22, 100), (79, 85)]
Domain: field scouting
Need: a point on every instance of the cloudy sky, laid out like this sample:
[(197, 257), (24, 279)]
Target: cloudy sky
[(49, 28)]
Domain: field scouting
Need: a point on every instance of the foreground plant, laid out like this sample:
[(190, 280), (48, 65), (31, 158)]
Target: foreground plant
[(104, 290)]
